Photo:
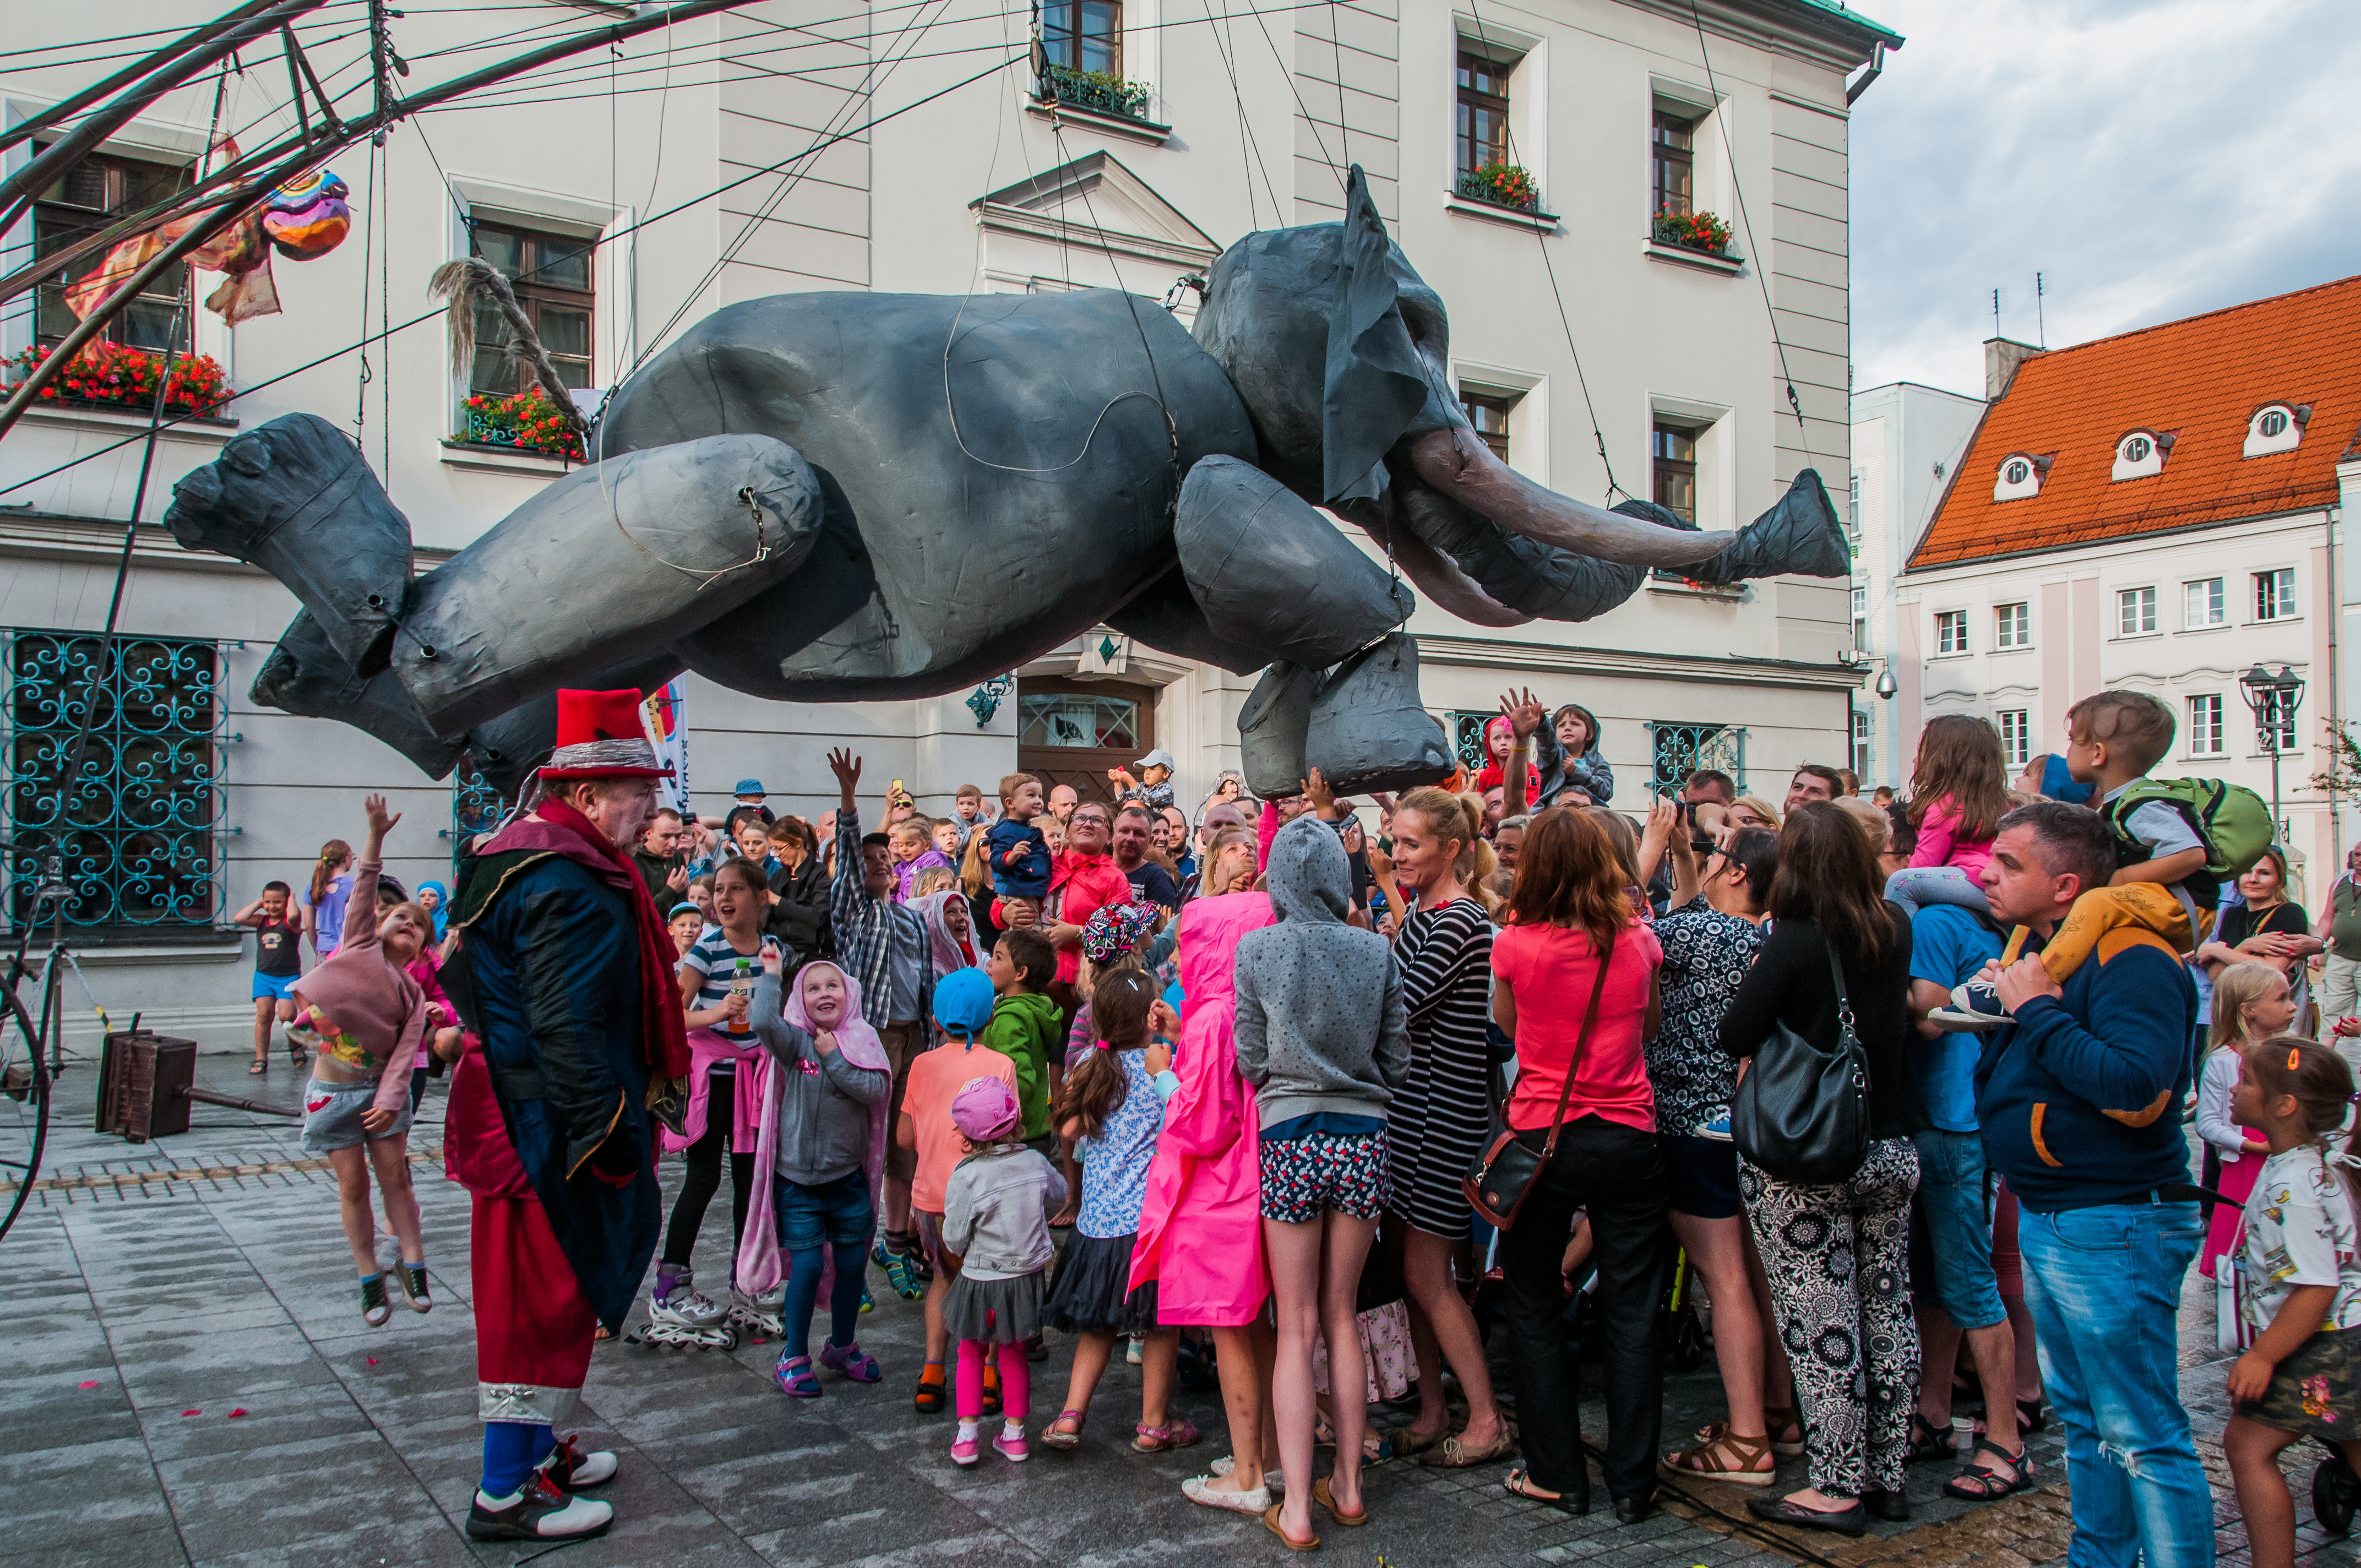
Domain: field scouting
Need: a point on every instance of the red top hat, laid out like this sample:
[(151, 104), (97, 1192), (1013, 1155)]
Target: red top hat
[(600, 736)]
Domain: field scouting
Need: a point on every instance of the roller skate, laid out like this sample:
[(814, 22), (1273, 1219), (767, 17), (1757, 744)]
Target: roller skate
[(679, 1315), (752, 1315)]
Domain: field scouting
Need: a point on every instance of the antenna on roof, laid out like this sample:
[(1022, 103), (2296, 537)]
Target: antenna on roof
[(2040, 330), (1996, 312)]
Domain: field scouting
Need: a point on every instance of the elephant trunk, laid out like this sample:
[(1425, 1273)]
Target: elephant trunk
[(1517, 579), (1463, 470)]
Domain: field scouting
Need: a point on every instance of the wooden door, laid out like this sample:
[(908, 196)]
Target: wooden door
[(1072, 733)]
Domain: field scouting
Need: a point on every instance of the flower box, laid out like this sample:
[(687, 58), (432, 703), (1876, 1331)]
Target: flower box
[(1095, 90), (1693, 230), (527, 420), (111, 375), (1502, 184)]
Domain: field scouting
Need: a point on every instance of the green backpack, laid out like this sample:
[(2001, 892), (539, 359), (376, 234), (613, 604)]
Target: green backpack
[(2235, 822)]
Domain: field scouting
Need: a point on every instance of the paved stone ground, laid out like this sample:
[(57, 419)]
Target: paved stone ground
[(185, 1378)]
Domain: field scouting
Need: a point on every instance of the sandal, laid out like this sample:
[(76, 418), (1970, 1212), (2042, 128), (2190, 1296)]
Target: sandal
[(929, 1397), (259, 1065), (1929, 1441), (1755, 1467), (1455, 1453), (1069, 1438), (1519, 1483), (1981, 1485), (1270, 1522), (1156, 1440), (1780, 1420), (796, 1377), (1326, 1499), (902, 1274), (2032, 1416)]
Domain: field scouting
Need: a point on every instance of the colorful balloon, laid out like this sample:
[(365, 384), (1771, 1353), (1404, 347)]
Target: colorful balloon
[(307, 217)]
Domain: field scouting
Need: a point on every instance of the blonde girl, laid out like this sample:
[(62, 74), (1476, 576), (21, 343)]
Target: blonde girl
[(2251, 1002)]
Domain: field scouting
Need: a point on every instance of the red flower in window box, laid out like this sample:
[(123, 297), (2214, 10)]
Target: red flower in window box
[(1503, 185), (114, 373), (1694, 231), (527, 420)]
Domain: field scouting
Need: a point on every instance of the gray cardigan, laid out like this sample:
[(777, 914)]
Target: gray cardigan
[(823, 1115), (1319, 1023)]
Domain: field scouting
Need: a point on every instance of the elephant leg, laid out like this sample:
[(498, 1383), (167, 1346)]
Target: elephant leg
[(633, 553), (1166, 617), (295, 498), (306, 674), (1271, 729), (1800, 534), (1272, 573), (1368, 730)]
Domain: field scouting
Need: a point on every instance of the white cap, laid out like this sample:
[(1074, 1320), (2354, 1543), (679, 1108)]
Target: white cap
[(1159, 758)]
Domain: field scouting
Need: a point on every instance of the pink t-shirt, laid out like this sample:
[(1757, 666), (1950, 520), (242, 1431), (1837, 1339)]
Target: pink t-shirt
[(936, 1079), (1550, 969), (1939, 843)]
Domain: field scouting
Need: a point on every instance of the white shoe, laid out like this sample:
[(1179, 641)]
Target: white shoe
[(1272, 1479), (1198, 1490), (537, 1511), (573, 1470)]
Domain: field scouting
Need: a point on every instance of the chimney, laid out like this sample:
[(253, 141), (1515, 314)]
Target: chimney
[(2002, 357)]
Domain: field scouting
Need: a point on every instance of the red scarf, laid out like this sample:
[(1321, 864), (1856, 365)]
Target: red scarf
[(571, 834)]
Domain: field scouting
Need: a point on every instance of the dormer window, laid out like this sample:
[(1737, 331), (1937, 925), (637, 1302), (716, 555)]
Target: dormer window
[(2140, 454), (2020, 477), (2276, 427)]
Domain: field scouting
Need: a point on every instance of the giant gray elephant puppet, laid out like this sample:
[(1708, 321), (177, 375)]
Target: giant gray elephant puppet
[(840, 497)]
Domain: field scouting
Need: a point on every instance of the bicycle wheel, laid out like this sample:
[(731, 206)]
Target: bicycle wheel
[(24, 1079)]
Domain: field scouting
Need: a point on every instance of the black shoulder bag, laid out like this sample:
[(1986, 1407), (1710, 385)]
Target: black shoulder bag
[(1801, 1114), (1502, 1172)]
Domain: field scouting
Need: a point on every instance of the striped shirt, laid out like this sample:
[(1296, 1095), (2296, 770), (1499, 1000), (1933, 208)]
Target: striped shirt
[(1441, 1114), (723, 969)]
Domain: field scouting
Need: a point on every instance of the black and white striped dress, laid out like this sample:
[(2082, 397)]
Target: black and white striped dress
[(1441, 1113)]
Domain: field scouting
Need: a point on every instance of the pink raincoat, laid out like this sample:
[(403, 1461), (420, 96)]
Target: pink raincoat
[(761, 1267), (1200, 1225)]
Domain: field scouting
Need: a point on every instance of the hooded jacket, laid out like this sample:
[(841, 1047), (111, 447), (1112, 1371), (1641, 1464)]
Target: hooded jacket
[(1320, 1020), (1027, 1027)]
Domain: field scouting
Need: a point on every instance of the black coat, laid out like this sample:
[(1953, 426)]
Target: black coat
[(799, 919), (1790, 984)]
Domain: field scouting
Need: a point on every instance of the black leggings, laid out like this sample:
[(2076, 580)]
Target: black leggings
[(704, 1177)]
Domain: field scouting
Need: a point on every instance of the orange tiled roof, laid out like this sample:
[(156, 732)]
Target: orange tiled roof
[(2199, 379)]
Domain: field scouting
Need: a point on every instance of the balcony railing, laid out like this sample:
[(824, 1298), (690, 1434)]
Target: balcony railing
[(1095, 90)]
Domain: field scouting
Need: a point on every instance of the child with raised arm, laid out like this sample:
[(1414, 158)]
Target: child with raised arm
[(371, 1016)]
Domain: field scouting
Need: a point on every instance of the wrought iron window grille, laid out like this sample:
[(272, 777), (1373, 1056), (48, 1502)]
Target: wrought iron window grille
[(1677, 750)]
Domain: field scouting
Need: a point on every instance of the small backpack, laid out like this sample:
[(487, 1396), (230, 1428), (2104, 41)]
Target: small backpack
[(2234, 821)]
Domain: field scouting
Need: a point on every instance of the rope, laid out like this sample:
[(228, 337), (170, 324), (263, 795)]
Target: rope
[(1247, 144)]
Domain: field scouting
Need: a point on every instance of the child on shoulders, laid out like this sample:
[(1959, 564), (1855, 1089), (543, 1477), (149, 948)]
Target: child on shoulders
[(1959, 793)]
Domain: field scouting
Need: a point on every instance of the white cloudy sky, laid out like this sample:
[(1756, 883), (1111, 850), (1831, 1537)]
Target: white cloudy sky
[(2153, 159)]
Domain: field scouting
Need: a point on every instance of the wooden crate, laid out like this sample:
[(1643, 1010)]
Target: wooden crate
[(144, 1080)]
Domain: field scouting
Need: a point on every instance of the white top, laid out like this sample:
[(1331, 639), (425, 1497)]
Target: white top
[(2300, 1230), (2213, 1122)]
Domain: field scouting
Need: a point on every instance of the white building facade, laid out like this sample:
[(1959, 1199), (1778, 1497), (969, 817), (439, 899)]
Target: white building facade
[(788, 145)]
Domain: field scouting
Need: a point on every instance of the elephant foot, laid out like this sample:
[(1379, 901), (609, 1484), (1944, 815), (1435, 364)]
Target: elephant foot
[(1271, 729), (305, 675), (1368, 730), (1800, 534), (295, 498)]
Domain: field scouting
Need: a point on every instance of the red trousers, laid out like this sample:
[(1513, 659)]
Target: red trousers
[(534, 1327)]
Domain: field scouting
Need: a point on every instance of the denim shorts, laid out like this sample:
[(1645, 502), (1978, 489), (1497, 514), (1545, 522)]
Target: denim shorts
[(838, 1212), (1951, 1204), (1349, 1172), (332, 1116), (1702, 1176)]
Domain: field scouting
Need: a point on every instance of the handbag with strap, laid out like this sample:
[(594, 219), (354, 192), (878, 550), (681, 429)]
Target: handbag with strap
[(1801, 1114), (1501, 1174)]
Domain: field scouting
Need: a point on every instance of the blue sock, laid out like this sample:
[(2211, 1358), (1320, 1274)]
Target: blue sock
[(803, 1295), (371, 1275), (545, 1443), (508, 1456)]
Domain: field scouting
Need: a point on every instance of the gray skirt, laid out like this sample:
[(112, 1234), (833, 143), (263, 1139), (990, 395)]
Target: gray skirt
[(1014, 1305)]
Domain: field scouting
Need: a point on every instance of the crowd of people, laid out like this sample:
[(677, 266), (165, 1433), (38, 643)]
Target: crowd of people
[(1304, 1096)]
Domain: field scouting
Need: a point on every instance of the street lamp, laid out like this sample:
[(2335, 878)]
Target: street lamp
[(2273, 700)]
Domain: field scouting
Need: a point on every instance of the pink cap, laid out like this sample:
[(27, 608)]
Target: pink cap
[(984, 1111)]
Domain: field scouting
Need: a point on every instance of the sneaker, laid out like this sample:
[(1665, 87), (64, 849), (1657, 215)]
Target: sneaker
[(966, 1450), (538, 1510), (1012, 1449), (850, 1360), (375, 1308), (571, 1470), (1132, 1351), (1717, 1129), (411, 1278), (1975, 1009)]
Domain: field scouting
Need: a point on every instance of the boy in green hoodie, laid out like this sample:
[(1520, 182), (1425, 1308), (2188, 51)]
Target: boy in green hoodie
[(1026, 1026)]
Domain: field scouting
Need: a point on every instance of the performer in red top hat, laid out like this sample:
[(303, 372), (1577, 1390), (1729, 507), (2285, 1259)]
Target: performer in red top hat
[(566, 972)]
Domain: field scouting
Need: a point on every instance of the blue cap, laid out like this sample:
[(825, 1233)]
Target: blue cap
[(748, 786), (963, 1002)]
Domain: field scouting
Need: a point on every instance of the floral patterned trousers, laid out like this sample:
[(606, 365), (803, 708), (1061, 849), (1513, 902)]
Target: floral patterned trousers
[(1839, 1261)]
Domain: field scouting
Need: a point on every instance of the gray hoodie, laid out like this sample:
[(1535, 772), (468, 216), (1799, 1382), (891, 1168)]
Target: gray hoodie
[(1319, 1023), (823, 1115)]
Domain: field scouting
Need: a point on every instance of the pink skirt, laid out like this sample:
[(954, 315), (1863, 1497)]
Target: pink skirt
[(2238, 1179)]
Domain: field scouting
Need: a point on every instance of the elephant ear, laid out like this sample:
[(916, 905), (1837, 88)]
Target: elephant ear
[(1376, 382)]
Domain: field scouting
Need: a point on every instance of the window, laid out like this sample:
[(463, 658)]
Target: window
[(2013, 626), (2016, 736), (2203, 606), (2205, 726), (1674, 462), (1677, 750), (139, 832), (2019, 476), (2275, 725), (1950, 631), (552, 275), (1488, 412), (1860, 743), (1482, 135), (2275, 594), (2140, 455), (1852, 502), (1859, 623), (1467, 738), (1673, 163), (93, 193), (1083, 35), (2134, 611), (2274, 427), (1078, 719)]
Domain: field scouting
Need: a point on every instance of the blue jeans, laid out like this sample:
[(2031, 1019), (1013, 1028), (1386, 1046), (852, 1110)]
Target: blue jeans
[(2103, 1286), (830, 1222), (1959, 1232)]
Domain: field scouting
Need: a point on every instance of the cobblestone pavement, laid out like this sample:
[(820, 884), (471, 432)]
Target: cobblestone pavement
[(185, 1379)]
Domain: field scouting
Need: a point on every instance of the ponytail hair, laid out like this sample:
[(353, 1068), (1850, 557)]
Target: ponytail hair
[(335, 855), (2322, 1085), (1096, 1089), (1459, 816)]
